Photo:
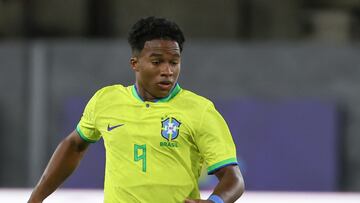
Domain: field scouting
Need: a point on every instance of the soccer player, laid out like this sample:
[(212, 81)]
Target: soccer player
[(157, 135)]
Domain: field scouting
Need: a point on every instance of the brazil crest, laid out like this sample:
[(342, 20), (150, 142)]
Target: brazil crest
[(170, 128)]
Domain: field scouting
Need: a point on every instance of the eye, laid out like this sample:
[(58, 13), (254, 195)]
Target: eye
[(155, 62), (174, 62)]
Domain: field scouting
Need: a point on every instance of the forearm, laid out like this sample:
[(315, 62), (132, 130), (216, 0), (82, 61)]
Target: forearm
[(63, 162), (230, 186)]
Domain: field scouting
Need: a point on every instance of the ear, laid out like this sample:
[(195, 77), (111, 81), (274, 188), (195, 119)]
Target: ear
[(134, 63)]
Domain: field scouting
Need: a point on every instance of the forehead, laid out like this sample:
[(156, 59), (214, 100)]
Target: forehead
[(161, 47)]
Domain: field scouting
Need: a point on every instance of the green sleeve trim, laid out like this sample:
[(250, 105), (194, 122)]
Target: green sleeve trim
[(82, 135), (214, 167)]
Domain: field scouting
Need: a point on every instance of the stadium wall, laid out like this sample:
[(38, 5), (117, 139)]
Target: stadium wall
[(218, 70)]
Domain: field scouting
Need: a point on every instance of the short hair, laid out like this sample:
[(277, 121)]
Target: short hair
[(150, 28)]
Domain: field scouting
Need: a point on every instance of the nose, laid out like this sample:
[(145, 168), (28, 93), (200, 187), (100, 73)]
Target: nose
[(167, 70)]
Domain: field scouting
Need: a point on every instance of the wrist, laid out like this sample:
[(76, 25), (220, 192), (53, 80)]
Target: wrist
[(216, 199), (35, 199)]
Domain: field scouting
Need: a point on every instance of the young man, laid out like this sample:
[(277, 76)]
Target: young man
[(157, 135)]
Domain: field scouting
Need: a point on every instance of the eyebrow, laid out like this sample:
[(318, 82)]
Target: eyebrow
[(158, 55)]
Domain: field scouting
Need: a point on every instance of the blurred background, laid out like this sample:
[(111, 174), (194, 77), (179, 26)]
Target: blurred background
[(284, 74)]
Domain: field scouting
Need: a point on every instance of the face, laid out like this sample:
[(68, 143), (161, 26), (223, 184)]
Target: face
[(157, 68)]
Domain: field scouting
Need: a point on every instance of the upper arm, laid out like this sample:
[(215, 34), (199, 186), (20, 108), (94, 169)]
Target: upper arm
[(231, 183), (87, 128), (214, 140), (76, 141), (231, 170)]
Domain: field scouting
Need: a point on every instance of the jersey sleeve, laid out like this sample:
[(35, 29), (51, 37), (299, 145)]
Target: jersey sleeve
[(86, 128), (214, 140)]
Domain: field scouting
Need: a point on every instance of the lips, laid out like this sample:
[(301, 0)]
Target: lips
[(165, 85)]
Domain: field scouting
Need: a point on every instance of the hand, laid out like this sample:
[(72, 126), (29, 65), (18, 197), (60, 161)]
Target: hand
[(197, 201)]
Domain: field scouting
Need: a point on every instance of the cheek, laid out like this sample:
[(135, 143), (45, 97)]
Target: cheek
[(148, 71), (177, 70)]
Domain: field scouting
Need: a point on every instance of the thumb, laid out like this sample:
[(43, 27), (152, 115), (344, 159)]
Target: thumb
[(190, 201)]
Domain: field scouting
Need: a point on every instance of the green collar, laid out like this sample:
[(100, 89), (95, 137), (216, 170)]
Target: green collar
[(175, 90)]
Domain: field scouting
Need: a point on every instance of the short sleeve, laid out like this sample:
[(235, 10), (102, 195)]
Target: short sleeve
[(214, 140), (86, 128)]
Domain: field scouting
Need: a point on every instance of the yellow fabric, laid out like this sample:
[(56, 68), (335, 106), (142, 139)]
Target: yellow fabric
[(155, 150)]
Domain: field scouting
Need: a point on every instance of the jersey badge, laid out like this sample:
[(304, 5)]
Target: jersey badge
[(170, 128)]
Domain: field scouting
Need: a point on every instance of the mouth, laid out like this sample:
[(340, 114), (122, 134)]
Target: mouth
[(165, 85)]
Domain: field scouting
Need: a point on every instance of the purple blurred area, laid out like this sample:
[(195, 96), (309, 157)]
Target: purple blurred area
[(285, 145), (90, 172)]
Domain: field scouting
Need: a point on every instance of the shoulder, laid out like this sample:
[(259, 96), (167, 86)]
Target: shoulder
[(194, 100), (108, 93), (111, 89)]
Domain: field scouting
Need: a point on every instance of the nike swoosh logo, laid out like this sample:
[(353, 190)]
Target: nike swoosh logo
[(110, 128)]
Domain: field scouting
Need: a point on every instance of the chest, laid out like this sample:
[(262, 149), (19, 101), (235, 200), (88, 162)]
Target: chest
[(157, 125)]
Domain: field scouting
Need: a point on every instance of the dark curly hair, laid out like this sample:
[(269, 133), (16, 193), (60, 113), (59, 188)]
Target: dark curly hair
[(150, 28)]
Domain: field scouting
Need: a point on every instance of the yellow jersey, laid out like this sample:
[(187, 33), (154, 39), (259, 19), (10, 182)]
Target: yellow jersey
[(155, 150)]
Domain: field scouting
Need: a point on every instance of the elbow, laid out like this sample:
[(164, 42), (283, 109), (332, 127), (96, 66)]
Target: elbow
[(238, 187), (241, 186)]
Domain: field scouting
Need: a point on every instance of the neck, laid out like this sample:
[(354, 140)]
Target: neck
[(145, 96)]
